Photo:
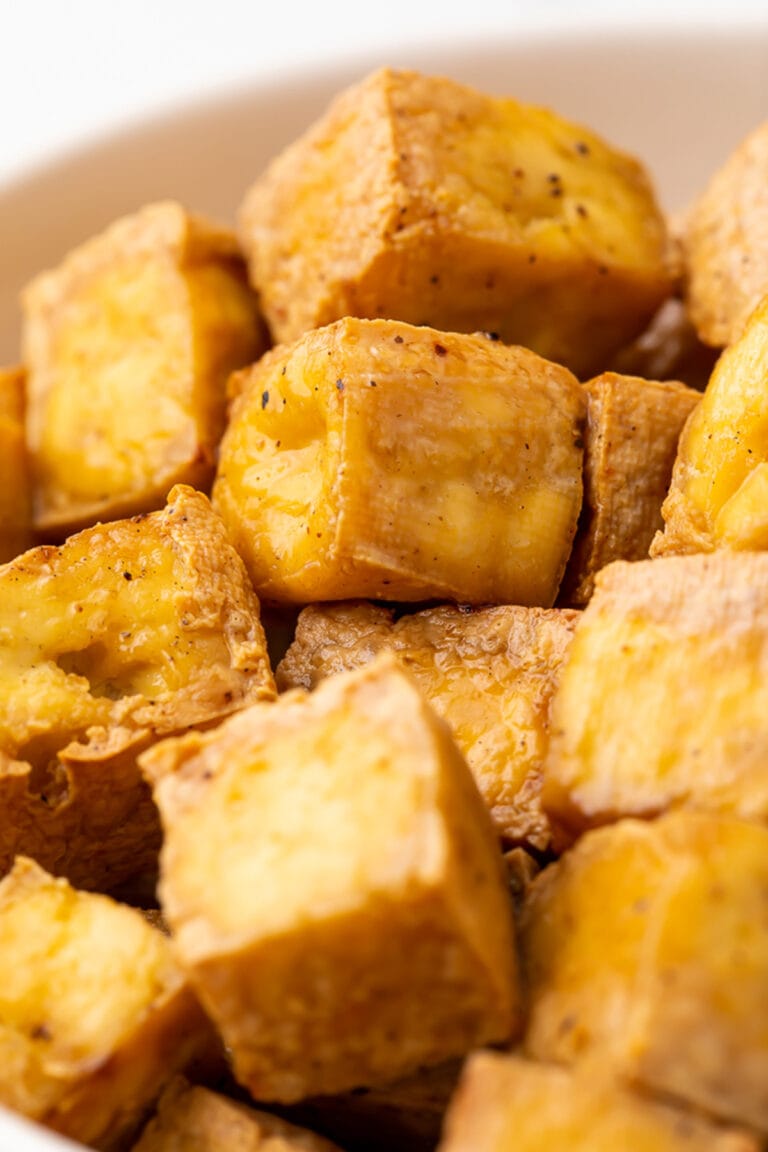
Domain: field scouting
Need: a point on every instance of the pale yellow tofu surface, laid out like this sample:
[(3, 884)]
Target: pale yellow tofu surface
[(422, 199), (335, 887), (508, 1104), (379, 459), (95, 1014), (490, 672), (15, 479), (716, 499), (645, 948), (191, 1118), (630, 446), (129, 631), (661, 702), (128, 346)]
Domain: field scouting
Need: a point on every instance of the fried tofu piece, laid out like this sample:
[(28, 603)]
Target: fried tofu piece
[(129, 343), (335, 887), (660, 703), (646, 947), (191, 1118), (715, 499), (490, 673), (669, 349), (725, 243), (95, 1014), (507, 1104), (421, 199), (630, 446), (380, 460), (15, 485), (128, 632)]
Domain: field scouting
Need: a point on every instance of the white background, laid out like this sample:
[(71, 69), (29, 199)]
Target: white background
[(74, 69)]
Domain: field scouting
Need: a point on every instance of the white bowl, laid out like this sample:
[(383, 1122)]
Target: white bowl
[(679, 98)]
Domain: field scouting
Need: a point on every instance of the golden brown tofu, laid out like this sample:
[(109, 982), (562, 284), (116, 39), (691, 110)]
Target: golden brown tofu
[(129, 343), (381, 460), (507, 1104), (335, 887), (194, 1119), (669, 349), (630, 445), (660, 703), (725, 243), (490, 673), (418, 198), (129, 631), (15, 485), (645, 949), (716, 499), (95, 1014)]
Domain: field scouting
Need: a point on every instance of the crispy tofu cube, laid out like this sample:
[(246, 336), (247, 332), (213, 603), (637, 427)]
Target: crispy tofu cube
[(129, 343), (660, 703), (130, 631), (421, 199), (335, 887), (669, 349), (191, 1118), (630, 445), (725, 243), (15, 482), (95, 1014), (711, 501), (490, 673), (376, 459), (507, 1104), (645, 948)]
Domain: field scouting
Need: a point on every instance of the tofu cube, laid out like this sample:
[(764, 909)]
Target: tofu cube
[(95, 1014), (645, 949), (507, 1104), (630, 446), (129, 343), (660, 703), (15, 479), (130, 631), (335, 888), (421, 199), (490, 673), (377, 459)]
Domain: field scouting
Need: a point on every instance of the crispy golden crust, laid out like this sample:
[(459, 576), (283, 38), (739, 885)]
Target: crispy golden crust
[(128, 344), (630, 446), (645, 950), (128, 632), (95, 1015), (378, 459), (366, 930), (490, 673), (725, 243), (421, 199)]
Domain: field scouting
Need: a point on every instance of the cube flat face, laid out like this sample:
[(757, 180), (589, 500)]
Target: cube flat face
[(490, 673), (630, 445), (507, 1104), (465, 212), (316, 874), (15, 489), (713, 501), (378, 459), (88, 989), (660, 703), (725, 242), (646, 949), (129, 344), (129, 631), (194, 1119)]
